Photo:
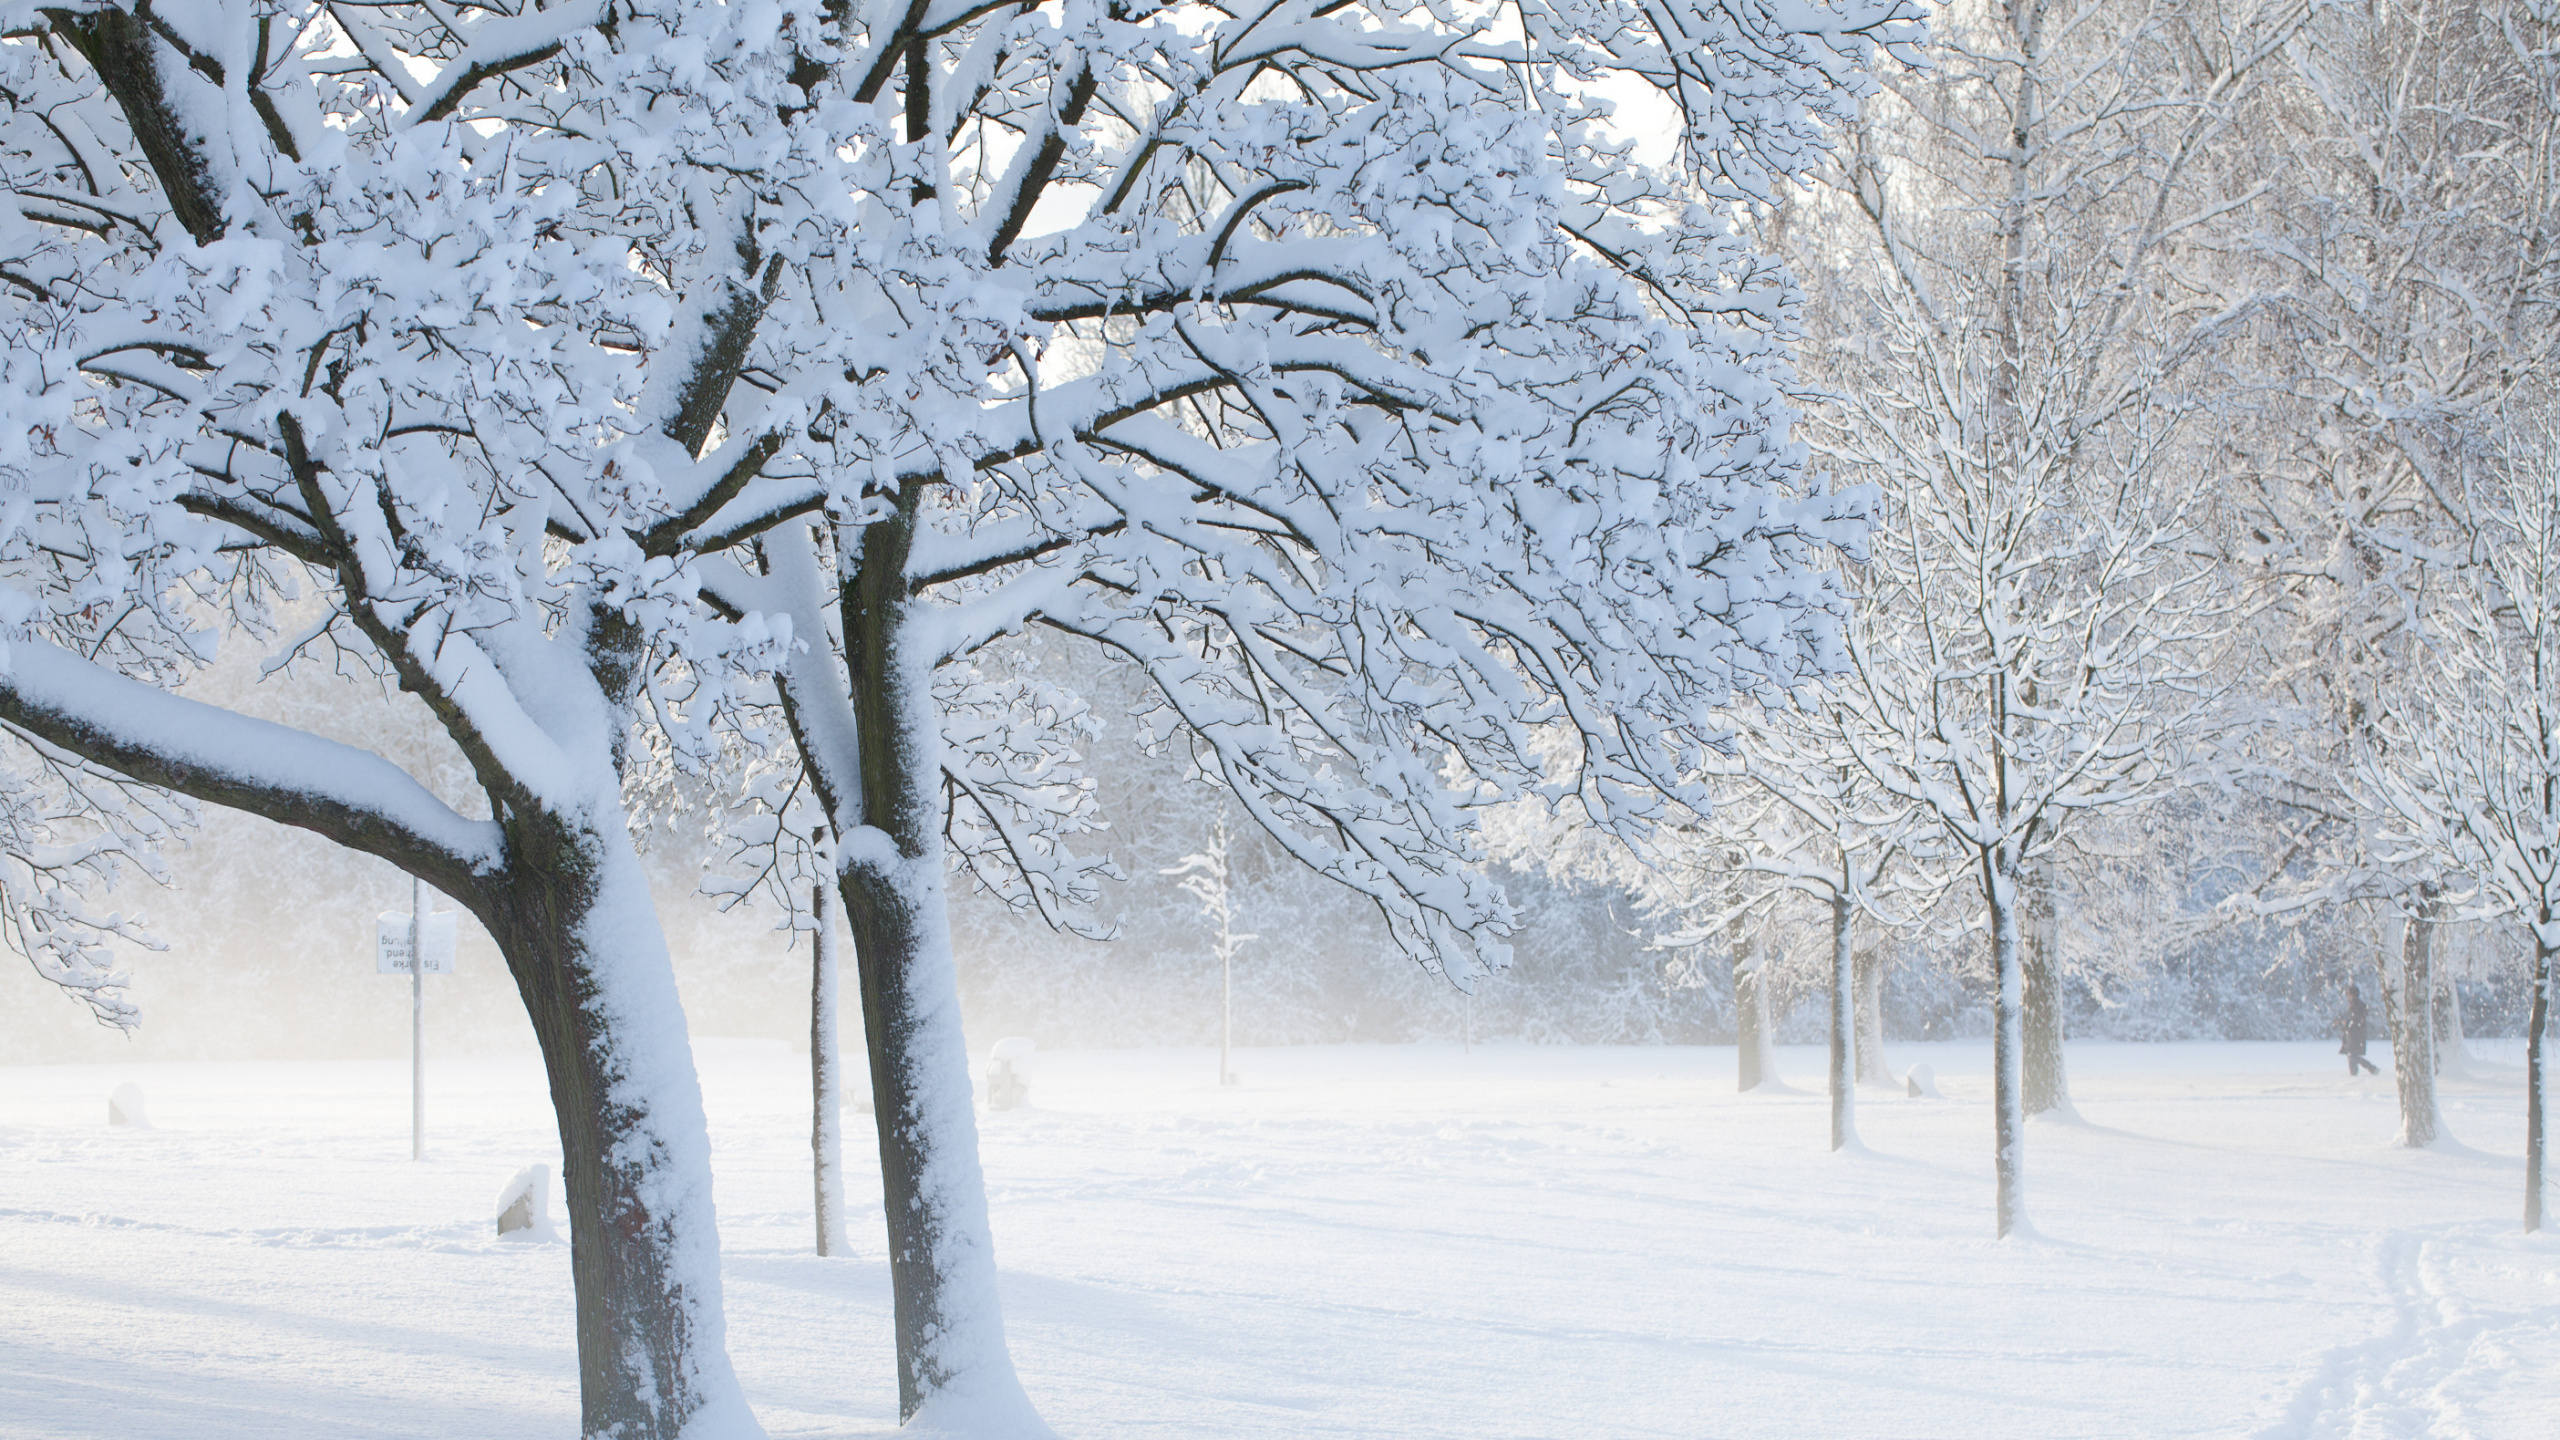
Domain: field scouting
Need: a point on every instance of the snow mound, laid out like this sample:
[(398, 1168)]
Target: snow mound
[(990, 1405), (124, 1107), (524, 1206), (1007, 1089), (1921, 1083)]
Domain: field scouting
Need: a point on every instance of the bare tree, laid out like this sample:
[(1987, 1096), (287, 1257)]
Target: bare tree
[(2469, 771), (439, 311), (2411, 222), (1822, 830), (1205, 879), (2015, 360)]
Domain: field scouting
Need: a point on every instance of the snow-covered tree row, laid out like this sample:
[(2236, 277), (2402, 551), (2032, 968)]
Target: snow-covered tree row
[(2169, 339), (869, 440)]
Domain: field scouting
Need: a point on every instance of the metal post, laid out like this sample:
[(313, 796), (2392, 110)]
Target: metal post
[(417, 1019)]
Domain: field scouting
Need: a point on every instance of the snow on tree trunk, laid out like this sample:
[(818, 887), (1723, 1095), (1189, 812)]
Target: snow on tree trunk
[(1844, 1026), (826, 1083), (2413, 1028), (1764, 1014), (2537, 1023), (2008, 1117), (1749, 1029), (574, 920), (953, 1370), (2458, 1025), (2046, 1086), (2449, 1052), (1872, 1069)]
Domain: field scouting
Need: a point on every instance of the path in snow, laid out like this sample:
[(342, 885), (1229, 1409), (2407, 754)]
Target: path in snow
[(1372, 1242)]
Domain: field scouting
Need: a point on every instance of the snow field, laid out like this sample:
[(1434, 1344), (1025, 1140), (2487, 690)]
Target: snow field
[(1525, 1242)]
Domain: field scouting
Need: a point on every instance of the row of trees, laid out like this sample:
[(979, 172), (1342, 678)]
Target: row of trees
[(693, 402), (2197, 359)]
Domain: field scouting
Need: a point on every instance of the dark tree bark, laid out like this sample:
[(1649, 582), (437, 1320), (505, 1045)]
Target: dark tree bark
[(128, 58), (620, 1075), (941, 1270), (870, 735), (639, 1362), (889, 941)]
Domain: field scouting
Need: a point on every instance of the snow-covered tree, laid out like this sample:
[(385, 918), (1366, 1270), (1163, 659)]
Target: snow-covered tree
[(1794, 815), (437, 310), (1798, 816), (2411, 205), (1823, 829), (2470, 771), (2014, 358), (1205, 879), (1338, 367)]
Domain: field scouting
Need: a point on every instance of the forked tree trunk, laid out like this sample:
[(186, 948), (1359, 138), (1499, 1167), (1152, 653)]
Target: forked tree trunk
[(953, 1369), (1751, 1064), (2413, 1030), (1844, 1029), (1872, 1069), (2046, 1084), (2537, 1022), (574, 919), (826, 1082), (2008, 1114)]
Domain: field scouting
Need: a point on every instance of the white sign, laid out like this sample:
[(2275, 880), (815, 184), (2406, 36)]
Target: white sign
[(391, 943)]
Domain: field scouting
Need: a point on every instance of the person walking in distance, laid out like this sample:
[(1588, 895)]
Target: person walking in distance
[(2351, 1044)]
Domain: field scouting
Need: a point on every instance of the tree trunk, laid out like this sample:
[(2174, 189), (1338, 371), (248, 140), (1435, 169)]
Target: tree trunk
[(2538, 1020), (826, 1085), (2008, 1113), (2448, 1016), (1748, 1028), (2047, 1087), (1764, 1016), (2413, 1028), (1871, 1067), (575, 921), (1844, 1029), (953, 1369)]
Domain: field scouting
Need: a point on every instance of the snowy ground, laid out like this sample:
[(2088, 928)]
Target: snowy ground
[(1359, 1242)]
